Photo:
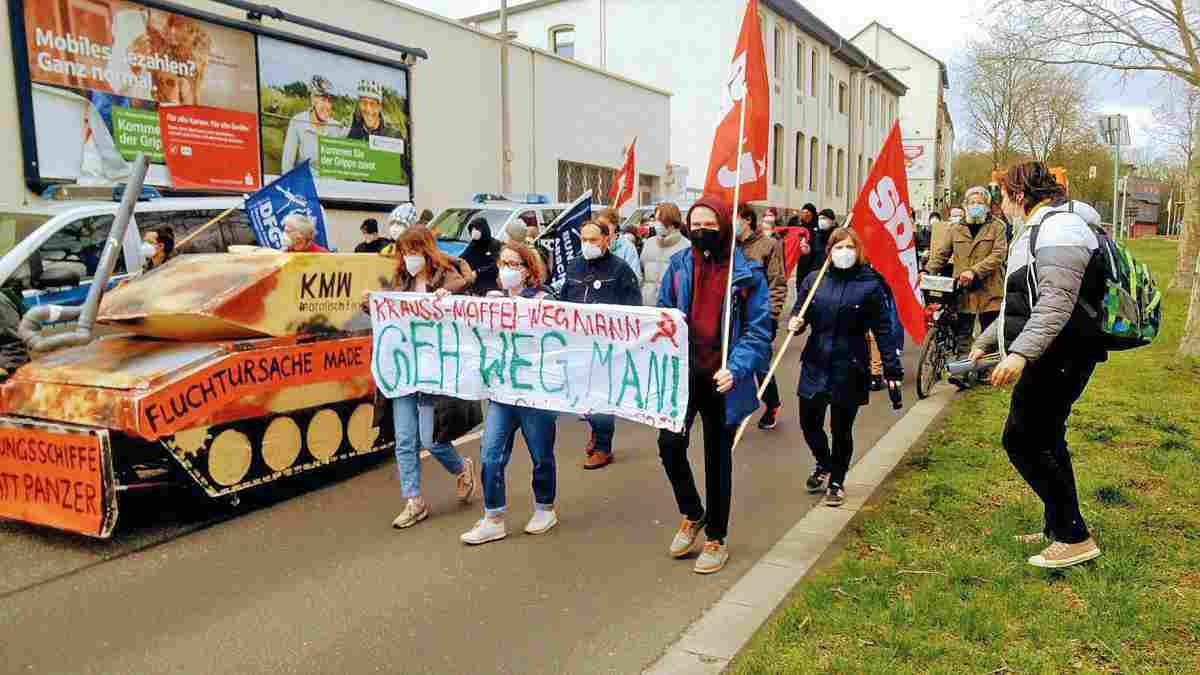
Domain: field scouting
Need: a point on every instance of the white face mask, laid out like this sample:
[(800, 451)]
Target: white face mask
[(396, 230), (956, 218), (414, 264), (476, 235), (592, 251), (844, 258), (148, 250), (511, 278), (285, 240), (825, 223)]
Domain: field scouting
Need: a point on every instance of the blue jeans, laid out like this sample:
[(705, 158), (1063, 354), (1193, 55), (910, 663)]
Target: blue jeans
[(413, 421), (499, 429), (603, 428)]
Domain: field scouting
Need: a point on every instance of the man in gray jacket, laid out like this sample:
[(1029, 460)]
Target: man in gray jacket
[(1049, 349)]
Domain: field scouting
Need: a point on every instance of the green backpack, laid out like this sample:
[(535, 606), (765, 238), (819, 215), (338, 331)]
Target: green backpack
[(1122, 301)]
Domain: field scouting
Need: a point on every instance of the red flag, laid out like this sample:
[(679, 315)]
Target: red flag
[(883, 219), (745, 85), (622, 185)]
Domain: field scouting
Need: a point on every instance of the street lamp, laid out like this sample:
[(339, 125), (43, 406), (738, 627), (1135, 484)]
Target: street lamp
[(1114, 131)]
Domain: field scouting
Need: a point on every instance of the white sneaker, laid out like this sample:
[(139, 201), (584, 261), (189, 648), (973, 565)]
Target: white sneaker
[(542, 521), (414, 512), (487, 529), (465, 482)]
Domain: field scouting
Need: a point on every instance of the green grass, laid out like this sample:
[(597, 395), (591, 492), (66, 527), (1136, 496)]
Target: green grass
[(930, 580)]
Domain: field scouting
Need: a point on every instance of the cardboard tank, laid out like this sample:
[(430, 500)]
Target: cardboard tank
[(226, 371)]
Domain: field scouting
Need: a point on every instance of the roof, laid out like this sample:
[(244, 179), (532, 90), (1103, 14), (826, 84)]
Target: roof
[(941, 65), (56, 207), (790, 9)]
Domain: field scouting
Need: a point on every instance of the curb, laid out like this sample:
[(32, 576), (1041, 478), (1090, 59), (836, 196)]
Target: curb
[(709, 644)]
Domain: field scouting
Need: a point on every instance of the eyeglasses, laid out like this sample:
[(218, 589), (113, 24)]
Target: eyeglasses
[(510, 265)]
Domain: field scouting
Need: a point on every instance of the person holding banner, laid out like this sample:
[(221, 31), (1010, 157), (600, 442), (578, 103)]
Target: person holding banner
[(422, 268), (598, 277), (850, 300), (300, 235), (722, 395), (521, 275)]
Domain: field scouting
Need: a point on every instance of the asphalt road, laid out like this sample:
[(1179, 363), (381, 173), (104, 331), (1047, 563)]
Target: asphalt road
[(312, 579)]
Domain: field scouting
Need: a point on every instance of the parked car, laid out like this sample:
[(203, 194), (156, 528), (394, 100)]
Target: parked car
[(450, 225)]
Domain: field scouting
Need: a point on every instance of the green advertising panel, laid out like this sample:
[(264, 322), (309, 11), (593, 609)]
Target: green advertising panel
[(137, 131), (358, 161)]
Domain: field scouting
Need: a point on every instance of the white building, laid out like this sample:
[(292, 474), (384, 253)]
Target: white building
[(831, 106), (569, 119), (924, 117)]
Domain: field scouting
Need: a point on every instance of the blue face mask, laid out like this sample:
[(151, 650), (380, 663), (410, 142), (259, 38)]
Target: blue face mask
[(976, 213)]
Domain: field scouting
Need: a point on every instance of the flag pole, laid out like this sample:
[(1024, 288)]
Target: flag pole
[(762, 386), (737, 193)]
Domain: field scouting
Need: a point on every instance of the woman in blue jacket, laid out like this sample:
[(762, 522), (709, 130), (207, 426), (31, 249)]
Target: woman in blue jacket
[(835, 366)]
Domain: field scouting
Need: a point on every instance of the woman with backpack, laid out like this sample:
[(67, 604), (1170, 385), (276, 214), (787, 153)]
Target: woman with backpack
[(422, 268), (1050, 349)]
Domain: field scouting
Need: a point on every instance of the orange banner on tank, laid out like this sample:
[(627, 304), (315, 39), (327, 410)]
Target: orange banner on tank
[(53, 478), (195, 399)]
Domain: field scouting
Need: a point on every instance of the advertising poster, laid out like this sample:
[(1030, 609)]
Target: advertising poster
[(101, 69), (346, 116), (918, 159), (210, 148)]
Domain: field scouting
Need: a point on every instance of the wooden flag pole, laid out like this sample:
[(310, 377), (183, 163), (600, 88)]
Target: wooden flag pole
[(737, 193), (762, 387), (205, 226)]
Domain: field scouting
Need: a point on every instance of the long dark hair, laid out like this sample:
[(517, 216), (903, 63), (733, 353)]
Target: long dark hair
[(1035, 182)]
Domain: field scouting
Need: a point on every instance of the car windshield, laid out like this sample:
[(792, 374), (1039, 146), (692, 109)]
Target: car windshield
[(636, 217), (68, 257), (16, 226), (452, 223)]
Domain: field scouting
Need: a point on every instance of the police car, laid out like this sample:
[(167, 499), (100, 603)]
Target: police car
[(499, 211), (50, 249)]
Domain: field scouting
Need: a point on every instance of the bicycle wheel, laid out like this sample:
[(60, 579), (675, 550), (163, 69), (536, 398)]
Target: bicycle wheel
[(929, 368)]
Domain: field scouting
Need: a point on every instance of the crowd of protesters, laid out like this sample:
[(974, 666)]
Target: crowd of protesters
[(853, 346)]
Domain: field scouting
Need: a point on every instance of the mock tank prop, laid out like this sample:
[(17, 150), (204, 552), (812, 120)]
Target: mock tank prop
[(226, 371)]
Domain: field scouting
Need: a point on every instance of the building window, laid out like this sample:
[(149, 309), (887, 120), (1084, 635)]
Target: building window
[(831, 92), (862, 99), (814, 161), (575, 178), (871, 107), (562, 41), (777, 158), (779, 53), (842, 97), (812, 79), (799, 161), (859, 178), (799, 66), (828, 169), (841, 173)]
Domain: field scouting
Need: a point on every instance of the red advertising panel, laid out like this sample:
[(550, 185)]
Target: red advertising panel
[(210, 148)]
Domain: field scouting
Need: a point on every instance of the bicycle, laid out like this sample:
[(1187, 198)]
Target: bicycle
[(941, 340)]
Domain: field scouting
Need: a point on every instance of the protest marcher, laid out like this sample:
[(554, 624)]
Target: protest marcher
[(630, 235), (599, 277), (1043, 334), (400, 219), (372, 242), (300, 141), (668, 239), (721, 394), (770, 219), (768, 253), (422, 268), (796, 248), (620, 248), (521, 275), (483, 254), (850, 299), (158, 247), (299, 235), (978, 249)]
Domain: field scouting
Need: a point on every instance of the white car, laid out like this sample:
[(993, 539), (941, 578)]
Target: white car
[(450, 226)]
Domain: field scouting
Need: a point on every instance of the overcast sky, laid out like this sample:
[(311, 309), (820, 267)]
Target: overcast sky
[(940, 27)]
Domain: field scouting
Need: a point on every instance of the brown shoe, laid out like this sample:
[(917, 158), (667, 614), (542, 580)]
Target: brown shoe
[(598, 460), (685, 538), (590, 448), (1059, 554)]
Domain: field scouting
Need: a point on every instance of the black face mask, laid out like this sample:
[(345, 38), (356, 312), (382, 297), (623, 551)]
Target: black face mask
[(708, 241)]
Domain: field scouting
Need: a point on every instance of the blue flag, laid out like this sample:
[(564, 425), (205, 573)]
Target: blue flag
[(562, 236), (293, 192)]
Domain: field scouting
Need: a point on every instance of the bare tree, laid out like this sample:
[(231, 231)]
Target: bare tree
[(995, 94), (1057, 111), (1126, 36), (1174, 120)]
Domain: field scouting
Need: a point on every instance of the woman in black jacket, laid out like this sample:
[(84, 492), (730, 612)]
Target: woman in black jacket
[(482, 254), (850, 300)]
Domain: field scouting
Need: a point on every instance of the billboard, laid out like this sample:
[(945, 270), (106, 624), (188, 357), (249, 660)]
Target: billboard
[(918, 159), (215, 104)]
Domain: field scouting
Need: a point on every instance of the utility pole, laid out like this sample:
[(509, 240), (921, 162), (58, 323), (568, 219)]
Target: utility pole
[(1114, 130), (505, 122)]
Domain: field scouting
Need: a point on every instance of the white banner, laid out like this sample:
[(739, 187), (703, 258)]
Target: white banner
[(584, 359)]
